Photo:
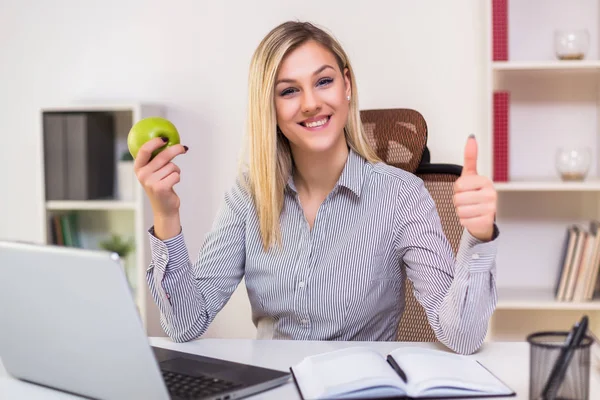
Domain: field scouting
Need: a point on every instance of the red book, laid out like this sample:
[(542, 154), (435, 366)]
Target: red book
[(500, 30), (500, 135)]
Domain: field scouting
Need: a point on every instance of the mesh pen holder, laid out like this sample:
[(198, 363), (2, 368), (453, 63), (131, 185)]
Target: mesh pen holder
[(544, 349)]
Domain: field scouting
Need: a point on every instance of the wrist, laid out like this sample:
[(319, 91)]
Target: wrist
[(167, 226), (166, 216), (485, 236)]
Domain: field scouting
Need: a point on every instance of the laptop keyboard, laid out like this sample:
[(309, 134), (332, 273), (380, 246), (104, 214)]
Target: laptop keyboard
[(195, 387)]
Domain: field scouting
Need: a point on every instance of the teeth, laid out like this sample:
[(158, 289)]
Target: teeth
[(314, 124)]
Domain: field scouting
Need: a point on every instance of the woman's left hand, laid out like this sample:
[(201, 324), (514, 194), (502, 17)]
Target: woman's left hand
[(475, 197)]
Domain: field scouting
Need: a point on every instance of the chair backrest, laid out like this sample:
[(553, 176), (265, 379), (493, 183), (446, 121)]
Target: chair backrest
[(399, 136), (439, 180)]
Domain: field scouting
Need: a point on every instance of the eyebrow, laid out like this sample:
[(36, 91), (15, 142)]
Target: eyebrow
[(318, 71)]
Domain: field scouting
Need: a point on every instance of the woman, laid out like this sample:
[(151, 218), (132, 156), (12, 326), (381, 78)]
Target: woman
[(317, 224)]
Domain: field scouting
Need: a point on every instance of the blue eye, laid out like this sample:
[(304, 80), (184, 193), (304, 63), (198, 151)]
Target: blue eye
[(322, 82), (325, 81), (287, 91)]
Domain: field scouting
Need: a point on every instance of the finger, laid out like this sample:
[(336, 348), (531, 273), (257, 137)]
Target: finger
[(475, 222), (168, 182), (166, 156), (474, 197), (470, 163), (145, 152), (474, 210), (471, 182), (163, 173)]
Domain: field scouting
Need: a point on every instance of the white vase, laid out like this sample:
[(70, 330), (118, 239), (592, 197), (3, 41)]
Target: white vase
[(126, 180)]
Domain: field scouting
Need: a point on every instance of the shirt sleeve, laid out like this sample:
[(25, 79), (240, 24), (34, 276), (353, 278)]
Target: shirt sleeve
[(458, 293), (189, 295)]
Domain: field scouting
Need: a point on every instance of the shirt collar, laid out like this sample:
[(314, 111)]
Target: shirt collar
[(352, 176)]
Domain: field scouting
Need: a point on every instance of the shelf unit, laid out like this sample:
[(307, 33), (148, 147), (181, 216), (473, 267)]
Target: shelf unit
[(553, 66), (553, 103), (548, 185), (99, 218), (539, 299), (55, 205)]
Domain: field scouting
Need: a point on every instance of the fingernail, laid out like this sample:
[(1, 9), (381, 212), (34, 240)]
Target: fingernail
[(164, 139), (472, 136), (186, 148)]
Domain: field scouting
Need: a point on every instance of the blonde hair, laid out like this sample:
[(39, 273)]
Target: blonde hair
[(269, 156)]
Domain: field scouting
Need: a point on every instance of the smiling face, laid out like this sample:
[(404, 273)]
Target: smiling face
[(311, 99)]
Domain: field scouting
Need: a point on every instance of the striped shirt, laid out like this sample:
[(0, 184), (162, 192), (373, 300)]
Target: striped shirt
[(340, 280)]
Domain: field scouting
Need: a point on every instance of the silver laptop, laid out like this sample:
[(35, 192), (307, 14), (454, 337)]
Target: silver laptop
[(68, 321)]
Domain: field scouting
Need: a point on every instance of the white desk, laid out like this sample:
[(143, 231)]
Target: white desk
[(509, 361)]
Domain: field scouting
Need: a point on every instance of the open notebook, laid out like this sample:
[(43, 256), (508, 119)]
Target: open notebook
[(414, 372)]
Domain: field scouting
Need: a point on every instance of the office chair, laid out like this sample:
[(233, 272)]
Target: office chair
[(399, 137)]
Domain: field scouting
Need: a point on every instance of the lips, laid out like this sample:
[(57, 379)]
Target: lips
[(316, 122)]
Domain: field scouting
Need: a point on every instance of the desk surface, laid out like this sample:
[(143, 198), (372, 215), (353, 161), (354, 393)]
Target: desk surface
[(508, 360)]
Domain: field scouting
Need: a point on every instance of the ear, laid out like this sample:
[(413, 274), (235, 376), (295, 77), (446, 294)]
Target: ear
[(347, 82)]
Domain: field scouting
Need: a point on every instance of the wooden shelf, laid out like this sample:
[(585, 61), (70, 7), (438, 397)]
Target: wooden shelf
[(538, 299), (91, 205), (557, 66), (591, 185)]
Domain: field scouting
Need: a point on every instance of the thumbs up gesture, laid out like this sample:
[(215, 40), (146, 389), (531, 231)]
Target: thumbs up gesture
[(475, 197)]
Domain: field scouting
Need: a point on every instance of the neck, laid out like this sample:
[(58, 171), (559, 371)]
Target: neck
[(317, 173)]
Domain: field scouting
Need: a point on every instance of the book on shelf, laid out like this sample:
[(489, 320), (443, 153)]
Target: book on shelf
[(413, 372), (500, 30), (501, 104), (64, 229), (79, 159), (579, 264)]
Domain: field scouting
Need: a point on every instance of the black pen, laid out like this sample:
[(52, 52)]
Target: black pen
[(561, 365)]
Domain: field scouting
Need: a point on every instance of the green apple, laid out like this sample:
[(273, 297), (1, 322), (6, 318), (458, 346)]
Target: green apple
[(149, 128)]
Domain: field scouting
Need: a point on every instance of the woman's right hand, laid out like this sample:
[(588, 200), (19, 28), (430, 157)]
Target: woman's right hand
[(159, 175)]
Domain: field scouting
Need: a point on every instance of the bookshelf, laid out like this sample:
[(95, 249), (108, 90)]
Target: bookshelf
[(539, 299), (551, 104), (97, 219), (55, 205), (549, 185), (547, 66)]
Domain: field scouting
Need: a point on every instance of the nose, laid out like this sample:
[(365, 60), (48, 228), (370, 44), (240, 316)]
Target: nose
[(310, 102)]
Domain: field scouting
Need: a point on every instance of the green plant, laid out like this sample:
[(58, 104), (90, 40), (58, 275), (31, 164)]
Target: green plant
[(126, 156), (118, 244)]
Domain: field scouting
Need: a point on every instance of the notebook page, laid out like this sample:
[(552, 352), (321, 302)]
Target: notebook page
[(344, 370), (425, 368)]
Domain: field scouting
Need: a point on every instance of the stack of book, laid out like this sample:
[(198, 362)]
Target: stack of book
[(64, 229), (580, 263), (79, 155)]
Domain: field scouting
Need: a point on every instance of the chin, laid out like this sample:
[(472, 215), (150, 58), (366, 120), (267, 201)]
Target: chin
[(322, 144)]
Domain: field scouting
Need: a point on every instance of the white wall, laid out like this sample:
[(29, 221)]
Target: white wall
[(193, 56)]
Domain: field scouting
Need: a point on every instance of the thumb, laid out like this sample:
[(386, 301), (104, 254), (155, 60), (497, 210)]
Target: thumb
[(470, 164)]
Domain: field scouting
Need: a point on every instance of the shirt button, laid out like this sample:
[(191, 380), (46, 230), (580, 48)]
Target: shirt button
[(301, 284), (304, 321), (164, 256), (475, 256)]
